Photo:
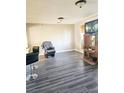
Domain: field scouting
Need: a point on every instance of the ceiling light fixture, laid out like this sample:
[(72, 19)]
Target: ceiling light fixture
[(60, 19), (80, 3)]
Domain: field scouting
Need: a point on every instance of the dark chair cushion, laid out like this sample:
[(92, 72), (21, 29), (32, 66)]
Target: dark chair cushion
[(31, 58), (50, 48)]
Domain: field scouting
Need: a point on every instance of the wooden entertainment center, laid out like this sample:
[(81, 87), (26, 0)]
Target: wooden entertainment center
[(91, 42)]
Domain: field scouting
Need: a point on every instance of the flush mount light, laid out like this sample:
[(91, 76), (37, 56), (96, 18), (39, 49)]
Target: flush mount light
[(60, 19), (80, 3)]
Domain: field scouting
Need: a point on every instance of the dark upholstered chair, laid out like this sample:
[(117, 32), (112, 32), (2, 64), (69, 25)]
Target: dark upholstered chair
[(30, 59), (48, 48)]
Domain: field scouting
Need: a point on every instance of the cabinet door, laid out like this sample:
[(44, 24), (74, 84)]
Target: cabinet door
[(87, 40)]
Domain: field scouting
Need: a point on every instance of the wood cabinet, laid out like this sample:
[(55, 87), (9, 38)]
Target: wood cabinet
[(90, 48), (91, 42)]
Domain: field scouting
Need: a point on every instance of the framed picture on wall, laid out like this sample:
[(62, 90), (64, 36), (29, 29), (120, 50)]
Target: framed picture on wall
[(91, 27)]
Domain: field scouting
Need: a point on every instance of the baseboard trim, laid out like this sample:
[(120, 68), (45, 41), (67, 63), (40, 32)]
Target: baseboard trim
[(61, 51), (65, 50), (78, 51)]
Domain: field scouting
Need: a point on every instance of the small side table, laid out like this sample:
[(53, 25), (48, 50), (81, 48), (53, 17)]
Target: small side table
[(35, 49)]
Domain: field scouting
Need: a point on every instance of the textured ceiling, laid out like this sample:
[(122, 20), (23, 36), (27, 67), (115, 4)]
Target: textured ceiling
[(47, 11)]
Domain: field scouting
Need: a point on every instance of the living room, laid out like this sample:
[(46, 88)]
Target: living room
[(66, 71), (71, 35), (44, 26), (49, 21)]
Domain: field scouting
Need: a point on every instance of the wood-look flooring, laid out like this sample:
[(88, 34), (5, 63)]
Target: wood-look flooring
[(65, 73)]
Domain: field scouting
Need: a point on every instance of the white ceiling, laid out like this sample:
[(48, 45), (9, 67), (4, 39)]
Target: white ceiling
[(47, 11)]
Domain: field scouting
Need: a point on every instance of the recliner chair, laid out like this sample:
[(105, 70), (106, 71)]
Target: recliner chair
[(48, 48)]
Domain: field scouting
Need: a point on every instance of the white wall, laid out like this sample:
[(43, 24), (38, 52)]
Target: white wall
[(77, 36), (77, 33), (62, 36)]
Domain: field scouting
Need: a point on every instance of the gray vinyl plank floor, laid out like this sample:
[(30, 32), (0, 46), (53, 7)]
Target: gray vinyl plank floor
[(64, 73)]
